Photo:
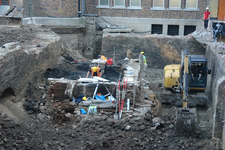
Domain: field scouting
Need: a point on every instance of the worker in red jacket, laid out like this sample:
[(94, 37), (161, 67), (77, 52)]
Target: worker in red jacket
[(206, 17)]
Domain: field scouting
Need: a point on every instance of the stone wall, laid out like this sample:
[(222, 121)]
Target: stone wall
[(159, 50), (22, 62)]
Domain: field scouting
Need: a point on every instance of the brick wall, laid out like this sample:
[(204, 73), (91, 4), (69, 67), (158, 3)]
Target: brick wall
[(69, 8), (52, 8), (56, 90), (146, 11)]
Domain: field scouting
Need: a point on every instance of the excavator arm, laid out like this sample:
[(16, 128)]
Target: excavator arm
[(185, 119)]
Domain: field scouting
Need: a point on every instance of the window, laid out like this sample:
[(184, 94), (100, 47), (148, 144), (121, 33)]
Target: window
[(174, 3), (173, 30), (4, 2), (157, 28), (189, 29), (191, 4), (119, 3), (158, 3), (103, 2), (135, 3)]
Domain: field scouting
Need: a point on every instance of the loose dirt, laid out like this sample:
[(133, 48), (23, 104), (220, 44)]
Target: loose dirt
[(56, 127)]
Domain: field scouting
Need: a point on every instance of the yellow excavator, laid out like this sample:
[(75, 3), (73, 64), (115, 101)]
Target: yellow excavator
[(190, 75)]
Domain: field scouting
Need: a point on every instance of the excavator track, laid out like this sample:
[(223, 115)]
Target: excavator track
[(185, 122)]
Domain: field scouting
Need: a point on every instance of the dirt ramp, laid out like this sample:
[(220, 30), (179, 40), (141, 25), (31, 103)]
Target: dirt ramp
[(13, 111)]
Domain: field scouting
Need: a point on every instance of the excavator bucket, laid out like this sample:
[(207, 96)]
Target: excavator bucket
[(185, 122)]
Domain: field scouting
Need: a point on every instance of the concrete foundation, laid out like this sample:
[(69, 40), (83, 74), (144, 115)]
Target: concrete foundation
[(145, 24), (78, 22)]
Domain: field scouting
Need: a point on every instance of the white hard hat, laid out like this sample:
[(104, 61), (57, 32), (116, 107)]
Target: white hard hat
[(207, 7)]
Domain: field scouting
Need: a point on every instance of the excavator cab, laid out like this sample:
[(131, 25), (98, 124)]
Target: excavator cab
[(198, 72)]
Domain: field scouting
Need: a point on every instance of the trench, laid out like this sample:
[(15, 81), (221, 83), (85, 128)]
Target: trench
[(10, 109)]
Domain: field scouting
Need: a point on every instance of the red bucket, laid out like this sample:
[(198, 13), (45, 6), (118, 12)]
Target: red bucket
[(110, 61)]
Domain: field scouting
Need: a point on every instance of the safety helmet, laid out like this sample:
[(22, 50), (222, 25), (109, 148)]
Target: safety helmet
[(84, 98), (95, 69), (142, 52), (207, 7)]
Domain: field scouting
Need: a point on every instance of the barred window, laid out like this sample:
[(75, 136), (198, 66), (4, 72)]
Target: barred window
[(191, 4), (103, 2)]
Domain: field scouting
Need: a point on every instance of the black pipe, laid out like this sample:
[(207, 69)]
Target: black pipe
[(30, 9), (78, 8)]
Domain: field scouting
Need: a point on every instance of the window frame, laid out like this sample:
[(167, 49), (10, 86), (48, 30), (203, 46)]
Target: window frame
[(174, 8), (193, 9), (102, 6), (158, 8)]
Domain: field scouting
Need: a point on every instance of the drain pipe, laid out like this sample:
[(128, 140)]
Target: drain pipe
[(83, 6), (30, 13), (79, 8), (83, 10)]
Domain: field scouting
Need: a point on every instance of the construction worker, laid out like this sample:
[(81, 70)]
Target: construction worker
[(95, 71), (206, 17), (102, 57), (144, 58)]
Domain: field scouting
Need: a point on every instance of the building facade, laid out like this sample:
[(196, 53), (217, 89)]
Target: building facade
[(168, 17)]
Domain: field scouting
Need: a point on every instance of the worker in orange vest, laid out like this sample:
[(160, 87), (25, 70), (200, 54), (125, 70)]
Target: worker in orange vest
[(95, 71), (102, 57)]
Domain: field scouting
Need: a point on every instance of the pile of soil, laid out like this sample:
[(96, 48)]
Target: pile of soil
[(54, 128), (95, 132)]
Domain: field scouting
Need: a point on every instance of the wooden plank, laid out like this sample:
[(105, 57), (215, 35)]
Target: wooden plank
[(94, 79), (87, 80), (221, 10), (100, 79)]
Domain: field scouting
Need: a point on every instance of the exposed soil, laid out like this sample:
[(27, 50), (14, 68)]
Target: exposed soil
[(57, 125), (52, 128)]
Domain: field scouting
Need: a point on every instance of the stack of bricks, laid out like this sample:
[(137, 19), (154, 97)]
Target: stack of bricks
[(56, 90)]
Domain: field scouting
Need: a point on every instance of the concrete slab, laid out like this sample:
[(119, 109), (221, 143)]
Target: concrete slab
[(79, 22), (128, 30)]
